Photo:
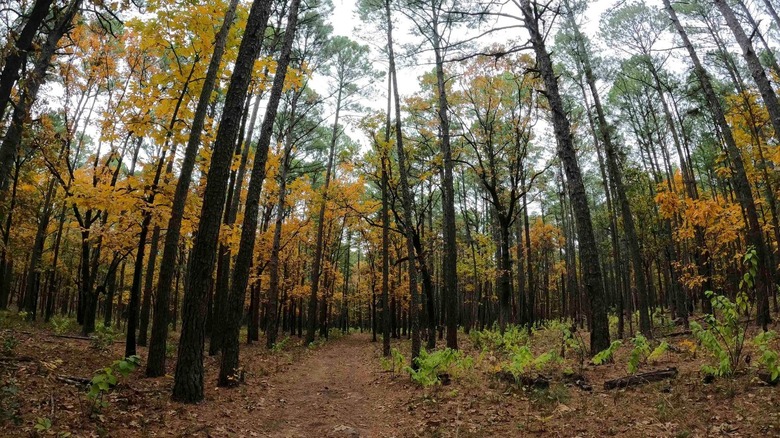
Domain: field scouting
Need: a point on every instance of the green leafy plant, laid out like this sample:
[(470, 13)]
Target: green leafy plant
[(606, 355), (431, 367), (280, 345), (769, 356), (572, 340), (639, 353), (661, 319), (42, 424), (61, 324), (658, 351), (522, 361), (170, 349), (493, 340), (724, 338), (9, 402), (103, 337), (10, 342), (106, 378), (395, 363)]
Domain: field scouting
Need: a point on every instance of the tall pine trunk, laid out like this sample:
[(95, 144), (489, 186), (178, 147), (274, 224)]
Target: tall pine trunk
[(599, 339), (235, 304), (188, 380)]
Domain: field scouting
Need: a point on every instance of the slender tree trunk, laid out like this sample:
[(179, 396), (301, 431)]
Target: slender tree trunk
[(588, 248), (18, 55), (188, 381), (135, 289), (407, 200), (753, 63), (13, 136), (616, 176), (229, 363), (273, 262), (146, 305), (34, 274), (450, 267)]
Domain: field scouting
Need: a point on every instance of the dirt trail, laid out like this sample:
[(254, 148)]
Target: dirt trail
[(337, 392)]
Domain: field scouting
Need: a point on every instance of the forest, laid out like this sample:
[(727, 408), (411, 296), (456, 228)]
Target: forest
[(380, 218)]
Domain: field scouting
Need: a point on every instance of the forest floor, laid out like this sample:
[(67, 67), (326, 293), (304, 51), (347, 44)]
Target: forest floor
[(340, 388)]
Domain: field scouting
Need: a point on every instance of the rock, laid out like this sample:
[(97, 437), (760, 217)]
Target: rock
[(345, 431)]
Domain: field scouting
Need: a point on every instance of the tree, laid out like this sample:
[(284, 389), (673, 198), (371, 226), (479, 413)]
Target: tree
[(588, 251), (347, 68), (615, 174), (188, 381), (739, 178), (229, 364), (157, 347)]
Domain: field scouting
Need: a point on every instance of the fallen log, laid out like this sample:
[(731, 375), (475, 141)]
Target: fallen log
[(79, 338), (86, 338), (73, 380), (17, 359), (640, 379)]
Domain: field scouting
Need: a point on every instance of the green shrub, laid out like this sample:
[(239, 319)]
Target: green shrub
[(573, 341), (170, 349), (769, 356), (103, 337), (395, 363), (606, 355), (493, 340), (10, 342), (42, 425), (432, 366), (61, 324), (638, 354), (658, 351), (724, 339), (522, 361), (281, 345), (106, 378), (10, 402)]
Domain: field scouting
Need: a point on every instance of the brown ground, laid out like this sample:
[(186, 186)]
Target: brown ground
[(339, 389)]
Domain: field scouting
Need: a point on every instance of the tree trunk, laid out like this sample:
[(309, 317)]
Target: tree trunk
[(407, 200), (273, 262), (33, 82), (188, 381), (146, 305), (18, 55), (450, 267), (588, 248), (753, 63), (235, 304), (616, 176)]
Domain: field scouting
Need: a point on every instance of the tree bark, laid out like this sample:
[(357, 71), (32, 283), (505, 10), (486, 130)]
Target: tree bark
[(188, 381), (229, 363), (18, 56), (588, 249), (616, 176), (407, 201), (155, 366), (33, 82)]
